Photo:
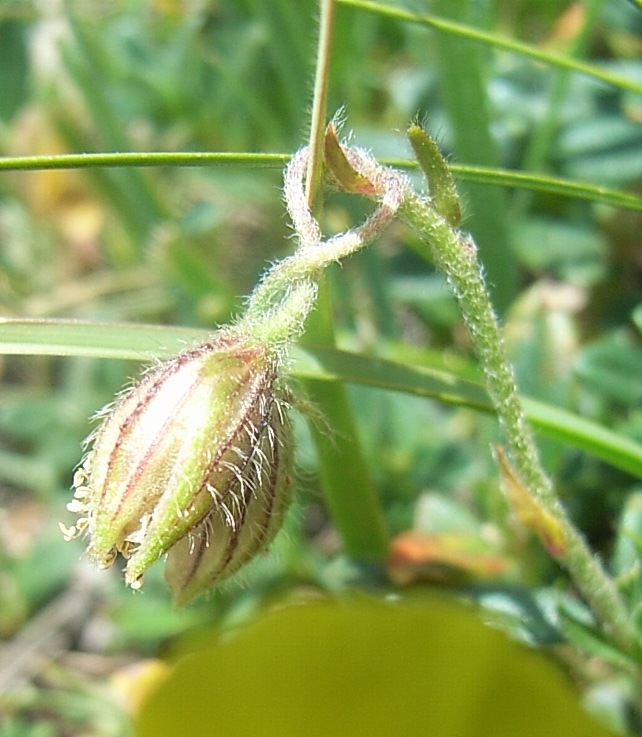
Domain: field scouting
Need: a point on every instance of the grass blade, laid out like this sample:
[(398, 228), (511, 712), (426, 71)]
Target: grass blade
[(470, 33), (323, 365)]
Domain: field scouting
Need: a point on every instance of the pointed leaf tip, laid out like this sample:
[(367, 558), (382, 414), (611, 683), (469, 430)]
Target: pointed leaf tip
[(441, 184), (529, 510), (340, 168)]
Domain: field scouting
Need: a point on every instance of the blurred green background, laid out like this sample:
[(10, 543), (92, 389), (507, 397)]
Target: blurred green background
[(181, 246)]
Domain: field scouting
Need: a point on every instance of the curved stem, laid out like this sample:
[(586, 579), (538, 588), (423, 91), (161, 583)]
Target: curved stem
[(285, 296), (455, 254)]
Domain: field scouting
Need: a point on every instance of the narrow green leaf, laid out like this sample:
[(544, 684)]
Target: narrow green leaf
[(335, 365), (99, 340), (470, 33), (142, 159), (147, 342), (548, 184), (242, 160), (366, 668)]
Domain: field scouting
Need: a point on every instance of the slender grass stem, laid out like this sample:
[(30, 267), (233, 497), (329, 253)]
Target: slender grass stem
[(345, 477), (319, 101), (241, 160)]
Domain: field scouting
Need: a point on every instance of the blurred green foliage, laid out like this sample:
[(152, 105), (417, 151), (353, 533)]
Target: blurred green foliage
[(182, 247), (329, 673)]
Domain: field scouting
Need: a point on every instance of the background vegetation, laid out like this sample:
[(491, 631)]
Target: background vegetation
[(180, 246)]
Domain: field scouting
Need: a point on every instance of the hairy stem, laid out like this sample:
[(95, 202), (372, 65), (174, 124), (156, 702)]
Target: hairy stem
[(456, 255)]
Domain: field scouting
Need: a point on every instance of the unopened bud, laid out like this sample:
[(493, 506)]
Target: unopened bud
[(192, 461)]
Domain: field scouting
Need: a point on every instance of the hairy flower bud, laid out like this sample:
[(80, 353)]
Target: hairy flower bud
[(233, 533), (193, 461)]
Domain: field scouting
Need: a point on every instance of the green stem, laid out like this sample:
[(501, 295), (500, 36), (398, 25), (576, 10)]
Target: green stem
[(463, 86), (348, 487), (280, 304), (319, 101), (350, 493), (456, 255)]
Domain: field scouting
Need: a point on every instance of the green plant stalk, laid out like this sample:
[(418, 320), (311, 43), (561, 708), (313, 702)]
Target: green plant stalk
[(349, 492), (314, 176), (347, 484), (456, 255), (463, 90), (243, 160), (348, 487)]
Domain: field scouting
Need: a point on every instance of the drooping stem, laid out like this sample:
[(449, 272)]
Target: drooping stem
[(455, 254), (284, 297), (277, 310), (289, 288)]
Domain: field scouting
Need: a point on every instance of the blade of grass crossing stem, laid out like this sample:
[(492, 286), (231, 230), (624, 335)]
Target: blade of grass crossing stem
[(136, 342), (113, 189), (242, 159), (463, 90), (86, 68)]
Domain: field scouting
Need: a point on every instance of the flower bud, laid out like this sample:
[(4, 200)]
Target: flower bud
[(233, 533), (192, 460)]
